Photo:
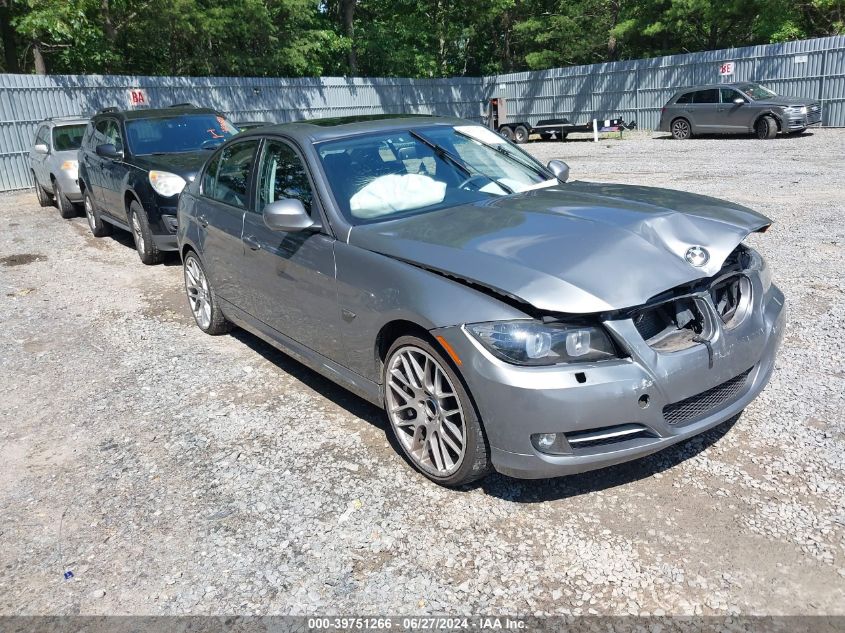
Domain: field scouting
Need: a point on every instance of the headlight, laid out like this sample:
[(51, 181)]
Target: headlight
[(71, 167), (796, 109), (166, 184), (536, 343), (758, 264)]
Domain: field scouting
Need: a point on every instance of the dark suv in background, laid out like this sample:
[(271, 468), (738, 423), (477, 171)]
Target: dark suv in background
[(737, 108), (133, 165)]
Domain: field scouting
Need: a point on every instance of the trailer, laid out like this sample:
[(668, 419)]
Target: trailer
[(497, 119)]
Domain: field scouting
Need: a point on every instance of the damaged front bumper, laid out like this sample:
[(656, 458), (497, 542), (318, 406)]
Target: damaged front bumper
[(610, 412)]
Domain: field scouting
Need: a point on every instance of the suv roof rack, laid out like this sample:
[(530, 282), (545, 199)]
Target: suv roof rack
[(68, 116), (109, 109), (182, 105)]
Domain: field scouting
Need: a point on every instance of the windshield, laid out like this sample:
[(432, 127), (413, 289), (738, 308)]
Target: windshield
[(381, 176), (756, 92), (68, 137), (179, 133)]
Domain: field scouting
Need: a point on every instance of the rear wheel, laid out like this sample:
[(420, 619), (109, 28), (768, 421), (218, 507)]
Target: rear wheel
[(681, 129), (66, 208), (43, 197), (506, 132), (144, 244), (432, 417), (201, 298), (95, 222), (765, 128), (520, 134)]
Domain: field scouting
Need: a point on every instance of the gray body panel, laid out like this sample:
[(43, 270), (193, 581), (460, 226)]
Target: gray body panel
[(326, 296), (577, 248)]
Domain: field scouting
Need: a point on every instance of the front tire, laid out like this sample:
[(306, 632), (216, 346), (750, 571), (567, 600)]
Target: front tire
[(681, 129), (431, 414), (144, 243), (201, 297), (95, 222), (766, 128), (65, 206), (43, 197)]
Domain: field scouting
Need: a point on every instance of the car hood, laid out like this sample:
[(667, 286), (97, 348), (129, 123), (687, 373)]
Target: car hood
[(185, 164), (576, 248)]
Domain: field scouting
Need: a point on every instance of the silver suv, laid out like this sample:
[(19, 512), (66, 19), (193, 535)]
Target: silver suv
[(54, 165), (737, 108)]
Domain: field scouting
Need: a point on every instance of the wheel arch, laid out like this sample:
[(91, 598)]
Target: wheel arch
[(392, 331), (679, 118), (130, 196), (770, 113)]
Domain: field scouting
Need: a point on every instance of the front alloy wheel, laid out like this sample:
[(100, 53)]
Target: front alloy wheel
[(431, 415)]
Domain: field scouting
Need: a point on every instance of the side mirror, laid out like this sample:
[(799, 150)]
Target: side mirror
[(739, 101), (287, 215), (107, 150), (559, 169), (41, 148)]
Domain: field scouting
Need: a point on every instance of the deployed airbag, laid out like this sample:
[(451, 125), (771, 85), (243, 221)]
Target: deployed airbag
[(393, 192)]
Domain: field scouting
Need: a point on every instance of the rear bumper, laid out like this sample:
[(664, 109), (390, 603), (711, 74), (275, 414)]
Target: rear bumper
[(518, 402)]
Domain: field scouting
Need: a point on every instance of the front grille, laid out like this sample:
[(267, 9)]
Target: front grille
[(649, 323), (698, 406), (814, 114)]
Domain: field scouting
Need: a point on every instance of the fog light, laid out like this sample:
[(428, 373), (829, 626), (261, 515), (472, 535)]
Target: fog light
[(551, 443), (546, 440)]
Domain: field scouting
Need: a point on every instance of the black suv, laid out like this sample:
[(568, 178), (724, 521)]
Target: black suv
[(134, 163)]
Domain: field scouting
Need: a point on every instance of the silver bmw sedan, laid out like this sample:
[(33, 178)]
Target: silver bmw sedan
[(505, 318)]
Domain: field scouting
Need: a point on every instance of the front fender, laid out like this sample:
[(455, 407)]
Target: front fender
[(374, 290)]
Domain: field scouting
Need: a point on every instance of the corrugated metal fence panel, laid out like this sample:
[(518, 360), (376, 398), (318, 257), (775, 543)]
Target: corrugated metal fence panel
[(637, 90), (634, 90)]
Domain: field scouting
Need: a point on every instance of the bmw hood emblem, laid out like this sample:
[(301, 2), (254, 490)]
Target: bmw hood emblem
[(697, 256)]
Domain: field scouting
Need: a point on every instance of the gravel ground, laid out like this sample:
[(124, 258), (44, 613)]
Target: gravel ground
[(177, 473)]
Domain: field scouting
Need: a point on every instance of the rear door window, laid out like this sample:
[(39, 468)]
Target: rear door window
[(706, 96), (227, 176)]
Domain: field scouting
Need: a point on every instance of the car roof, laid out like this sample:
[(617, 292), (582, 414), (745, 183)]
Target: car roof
[(66, 120), (733, 84), (154, 113), (318, 130)]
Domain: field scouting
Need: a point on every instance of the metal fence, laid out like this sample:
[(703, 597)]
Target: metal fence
[(634, 90)]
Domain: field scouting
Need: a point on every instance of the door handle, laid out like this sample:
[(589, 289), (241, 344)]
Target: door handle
[(250, 241), (202, 220)]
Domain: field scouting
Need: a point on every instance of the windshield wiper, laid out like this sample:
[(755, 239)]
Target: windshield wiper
[(445, 154), (506, 152)]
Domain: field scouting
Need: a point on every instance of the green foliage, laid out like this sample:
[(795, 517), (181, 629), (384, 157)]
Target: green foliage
[(418, 38)]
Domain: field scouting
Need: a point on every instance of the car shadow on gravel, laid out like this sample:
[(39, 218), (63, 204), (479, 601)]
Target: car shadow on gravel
[(341, 397), (539, 490), (496, 485), (731, 137), (124, 238)]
